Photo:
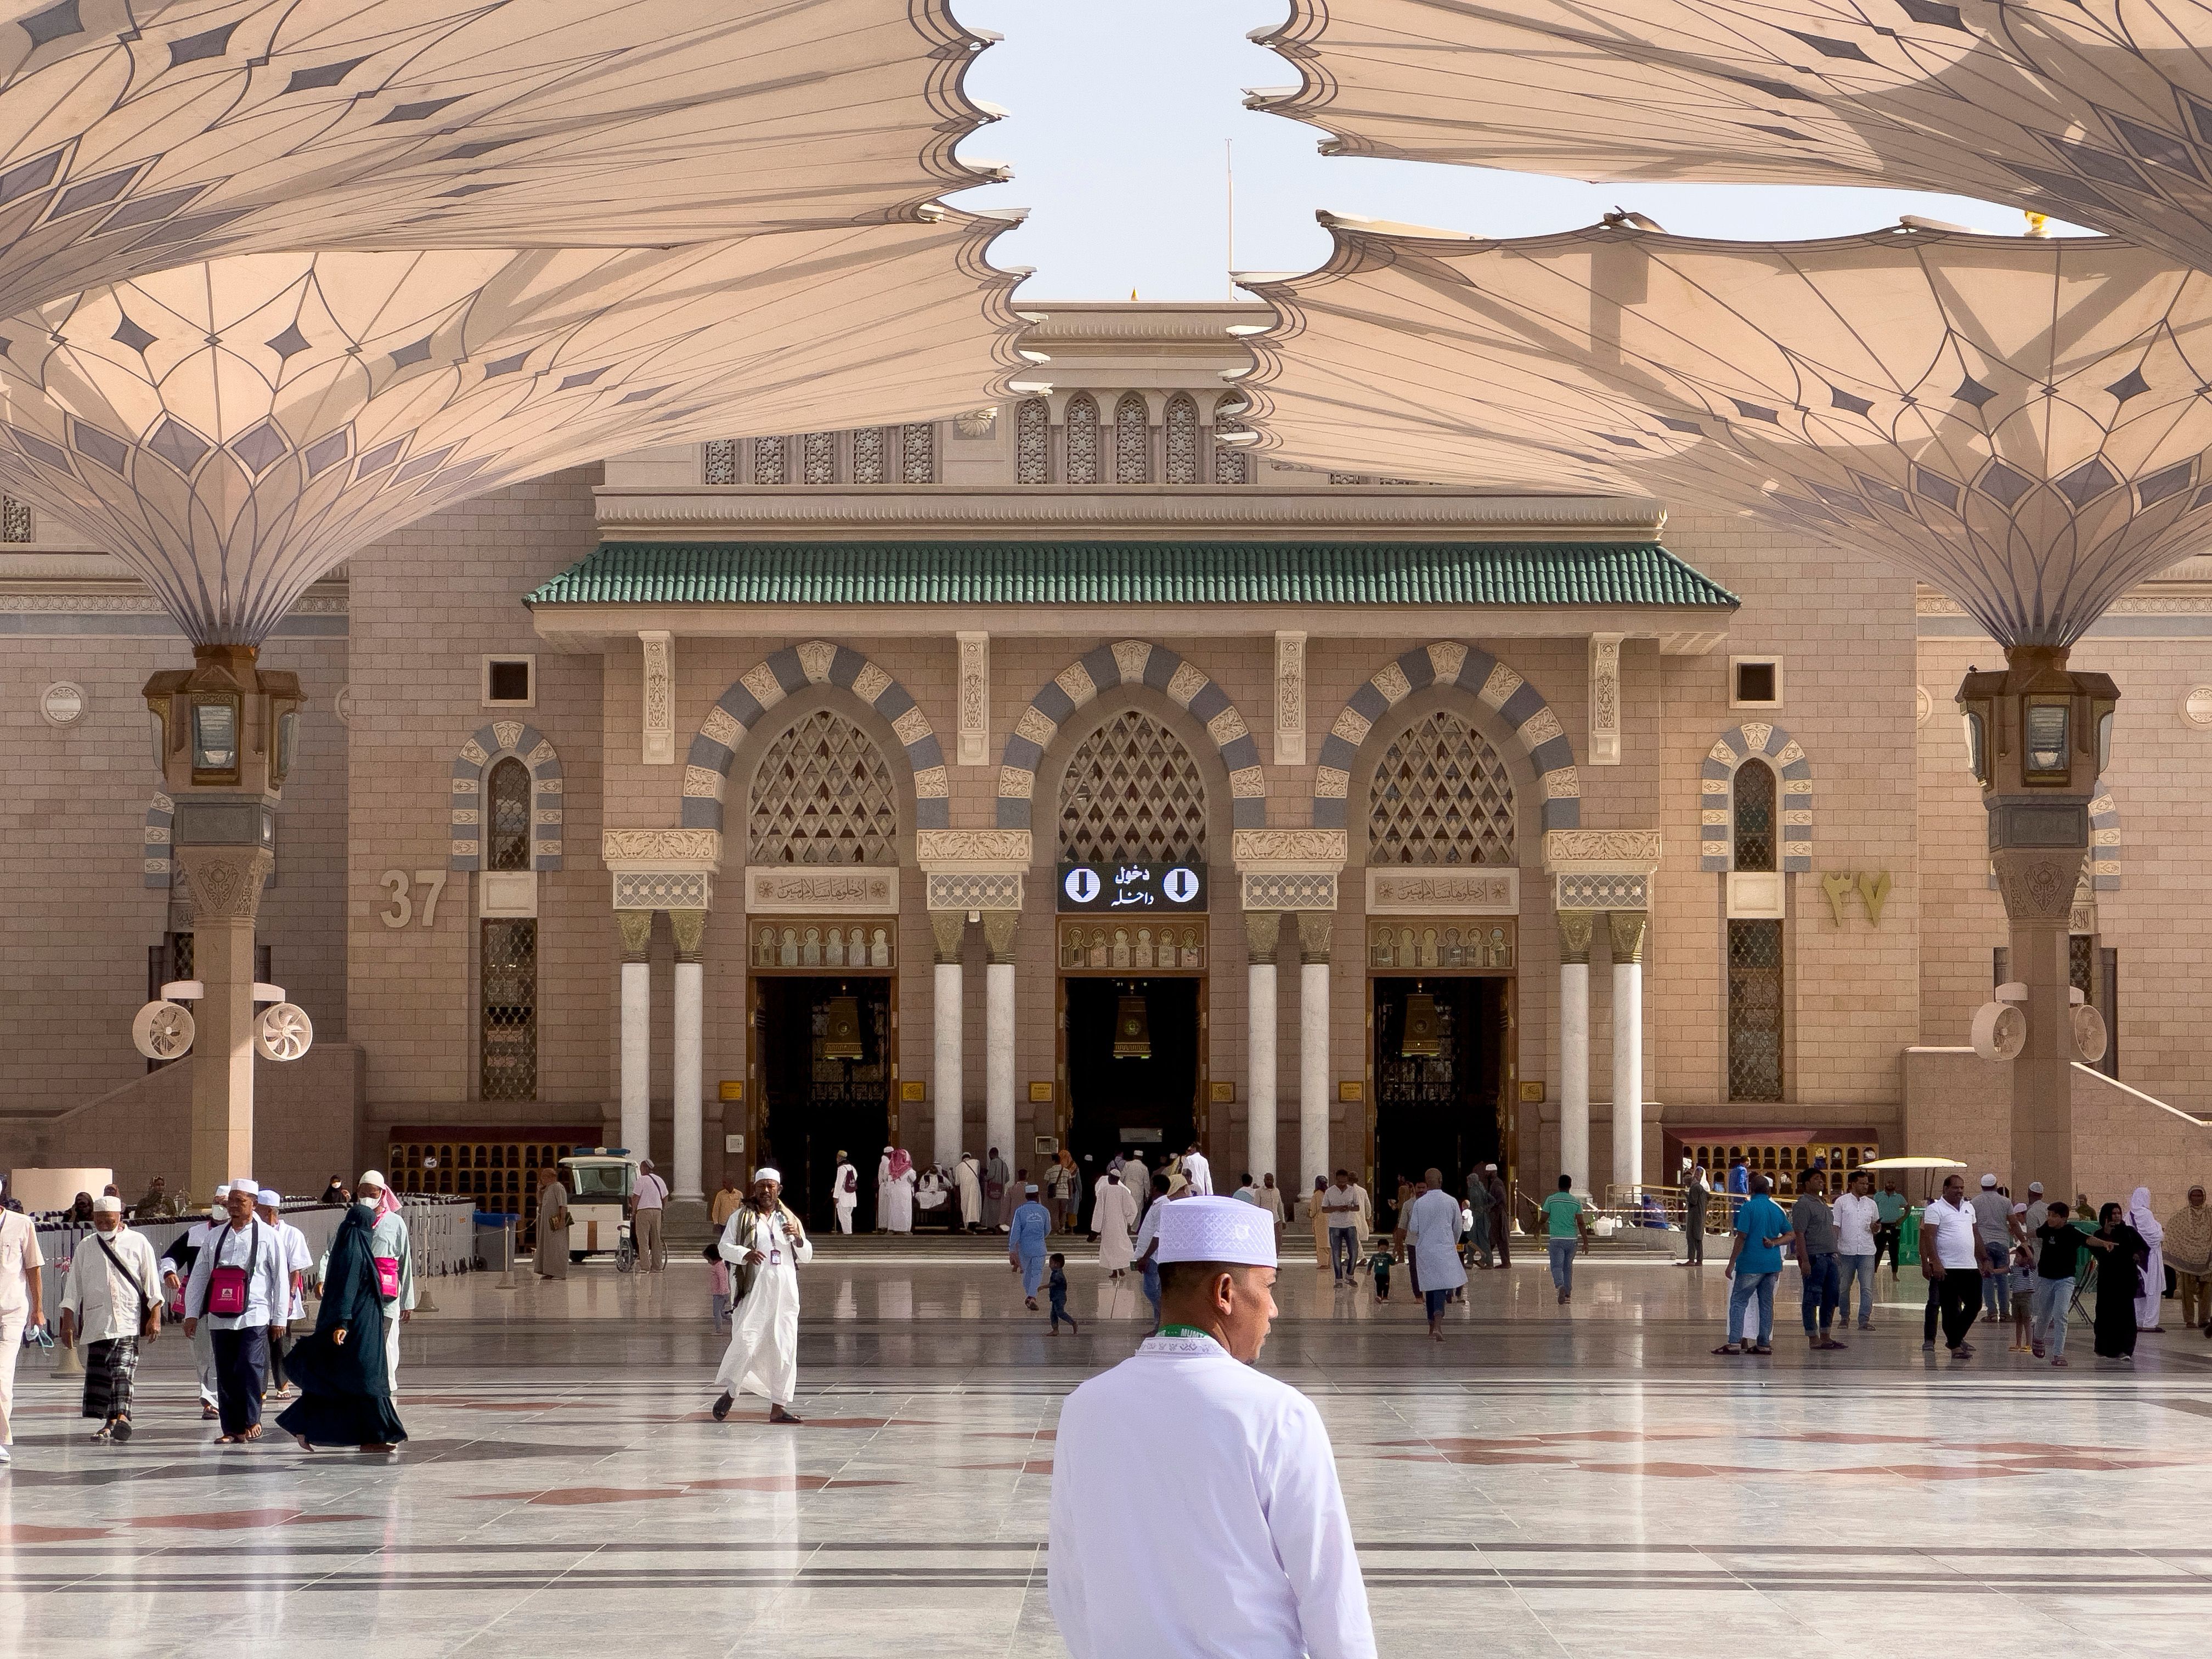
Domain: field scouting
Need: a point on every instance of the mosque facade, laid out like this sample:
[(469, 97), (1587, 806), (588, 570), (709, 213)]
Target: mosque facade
[(1066, 774)]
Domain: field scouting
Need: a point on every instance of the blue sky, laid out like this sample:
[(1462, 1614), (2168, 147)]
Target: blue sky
[(1120, 109)]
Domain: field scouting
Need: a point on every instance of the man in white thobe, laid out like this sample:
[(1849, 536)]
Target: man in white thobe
[(177, 1268), (1198, 1172), (969, 1178), (111, 1301), (1430, 1233), (883, 1191), (1117, 1220), (1207, 1486), (767, 1241), (23, 1307), (845, 1193)]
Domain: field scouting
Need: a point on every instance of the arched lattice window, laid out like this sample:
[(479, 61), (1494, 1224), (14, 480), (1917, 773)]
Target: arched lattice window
[(824, 794), (506, 817), (1082, 438), (1754, 816), (1182, 440), (1755, 1005), (1132, 440), (1131, 791), (1441, 796), (1033, 441), (819, 455), (1231, 465), (868, 455)]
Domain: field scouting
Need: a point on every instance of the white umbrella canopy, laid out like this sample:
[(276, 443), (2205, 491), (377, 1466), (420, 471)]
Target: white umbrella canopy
[(2022, 422), (233, 429), (136, 135), (2097, 111)]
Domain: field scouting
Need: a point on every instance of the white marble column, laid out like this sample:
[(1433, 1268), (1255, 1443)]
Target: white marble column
[(1262, 930), (1313, 929), (946, 1080), (636, 1030), (1627, 927), (999, 1033), (688, 1098), (1575, 928)]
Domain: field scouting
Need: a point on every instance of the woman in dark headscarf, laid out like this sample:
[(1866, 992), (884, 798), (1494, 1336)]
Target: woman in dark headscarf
[(345, 1395), (2119, 1280)]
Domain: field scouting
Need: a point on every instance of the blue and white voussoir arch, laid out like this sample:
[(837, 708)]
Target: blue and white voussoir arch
[(1132, 662), (768, 683), (485, 749), (1773, 745), (1497, 688)]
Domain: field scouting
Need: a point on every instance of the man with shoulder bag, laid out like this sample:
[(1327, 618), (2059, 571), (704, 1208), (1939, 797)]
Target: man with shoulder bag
[(111, 1301), (764, 1244)]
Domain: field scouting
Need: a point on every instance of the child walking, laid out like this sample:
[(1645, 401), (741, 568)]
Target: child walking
[(1380, 1262), (2023, 1292), (1058, 1289)]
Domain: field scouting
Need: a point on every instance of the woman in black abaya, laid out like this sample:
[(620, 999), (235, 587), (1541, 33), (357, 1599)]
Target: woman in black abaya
[(345, 1397), (2119, 1278)]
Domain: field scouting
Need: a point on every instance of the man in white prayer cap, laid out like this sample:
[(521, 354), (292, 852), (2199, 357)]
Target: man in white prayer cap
[(1208, 1484), (299, 1261), (764, 1244)]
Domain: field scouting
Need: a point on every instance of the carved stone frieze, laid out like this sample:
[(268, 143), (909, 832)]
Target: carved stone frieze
[(1272, 889), (1602, 892), (1311, 849), (649, 890), (1596, 851), (663, 849), (972, 850), (1605, 699)]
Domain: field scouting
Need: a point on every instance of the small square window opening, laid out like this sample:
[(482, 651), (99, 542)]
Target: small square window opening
[(510, 681), (1754, 682)]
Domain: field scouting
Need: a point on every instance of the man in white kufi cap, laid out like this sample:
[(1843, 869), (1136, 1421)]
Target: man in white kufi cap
[(1207, 1485), (111, 1301), (764, 1244), (299, 1262)]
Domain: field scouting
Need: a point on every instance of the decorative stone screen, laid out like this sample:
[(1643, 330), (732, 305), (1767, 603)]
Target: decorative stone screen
[(507, 1036), (1133, 441), (1133, 792), (824, 794), (1440, 797), (1033, 441), (1476, 946), (1182, 440), (1082, 439), (1754, 1009), (1088, 944)]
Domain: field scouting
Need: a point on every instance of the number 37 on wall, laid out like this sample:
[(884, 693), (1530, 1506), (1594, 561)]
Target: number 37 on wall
[(402, 907)]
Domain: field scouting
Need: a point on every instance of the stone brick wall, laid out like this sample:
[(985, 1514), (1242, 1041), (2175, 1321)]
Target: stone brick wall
[(72, 818), (427, 604)]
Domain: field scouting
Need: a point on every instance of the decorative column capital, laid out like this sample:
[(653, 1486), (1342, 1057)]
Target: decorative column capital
[(1575, 928), (1316, 928), (947, 928), (1263, 936), (999, 927), (1626, 927), (1602, 869), (225, 883), (637, 933), (689, 927)]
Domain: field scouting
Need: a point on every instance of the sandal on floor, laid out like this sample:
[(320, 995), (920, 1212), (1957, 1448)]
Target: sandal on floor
[(103, 1434), (208, 1413), (251, 1435), (1761, 1349), (722, 1408), (1727, 1348)]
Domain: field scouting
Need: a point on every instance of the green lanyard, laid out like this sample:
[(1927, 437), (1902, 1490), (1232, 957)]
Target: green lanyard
[(1185, 1330)]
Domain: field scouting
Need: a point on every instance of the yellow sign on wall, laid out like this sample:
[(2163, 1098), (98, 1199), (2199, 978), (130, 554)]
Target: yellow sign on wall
[(734, 1088), (914, 1089), (1040, 1093)]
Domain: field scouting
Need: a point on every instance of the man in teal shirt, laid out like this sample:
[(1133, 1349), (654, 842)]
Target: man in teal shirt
[(1754, 1263), (1889, 1224), (1565, 1226)]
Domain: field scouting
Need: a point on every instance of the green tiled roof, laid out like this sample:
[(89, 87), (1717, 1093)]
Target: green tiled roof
[(970, 573)]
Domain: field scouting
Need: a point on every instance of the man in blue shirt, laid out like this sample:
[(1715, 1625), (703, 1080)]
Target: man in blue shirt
[(1754, 1263)]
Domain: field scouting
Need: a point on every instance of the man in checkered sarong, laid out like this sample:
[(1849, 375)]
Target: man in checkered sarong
[(111, 1301)]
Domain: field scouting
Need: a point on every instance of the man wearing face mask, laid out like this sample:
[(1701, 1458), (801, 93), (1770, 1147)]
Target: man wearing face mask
[(1227, 1515), (240, 1291), (111, 1303)]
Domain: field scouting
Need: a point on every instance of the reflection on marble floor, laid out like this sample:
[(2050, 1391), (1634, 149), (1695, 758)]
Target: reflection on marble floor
[(1546, 1482)]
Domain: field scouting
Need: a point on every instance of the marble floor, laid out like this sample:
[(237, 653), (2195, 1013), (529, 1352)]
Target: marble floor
[(1547, 1481)]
